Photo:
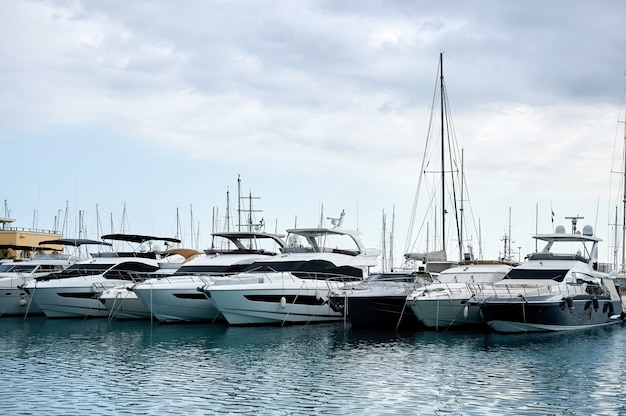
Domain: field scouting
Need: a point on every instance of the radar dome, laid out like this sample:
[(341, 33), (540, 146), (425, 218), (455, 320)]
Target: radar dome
[(588, 230), (560, 229)]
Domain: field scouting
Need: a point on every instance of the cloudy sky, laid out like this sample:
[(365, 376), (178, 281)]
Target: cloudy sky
[(319, 106)]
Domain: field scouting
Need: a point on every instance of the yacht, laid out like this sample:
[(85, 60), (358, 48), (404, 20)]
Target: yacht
[(74, 292), (123, 303), (176, 298), (380, 299), (556, 289), (294, 287), (14, 300), (444, 303)]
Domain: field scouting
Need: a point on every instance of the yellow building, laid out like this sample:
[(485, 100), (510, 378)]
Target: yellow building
[(20, 243)]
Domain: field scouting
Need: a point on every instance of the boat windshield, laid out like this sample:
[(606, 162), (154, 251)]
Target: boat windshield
[(8, 267), (130, 271), (391, 277), (205, 269), (20, 268), (535, 274), (78, 269), (311, 269)]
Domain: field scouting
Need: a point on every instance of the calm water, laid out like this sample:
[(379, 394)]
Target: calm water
[(96, 367)]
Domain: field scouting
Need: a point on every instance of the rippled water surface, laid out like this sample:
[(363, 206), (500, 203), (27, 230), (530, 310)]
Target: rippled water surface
[(97, 367)]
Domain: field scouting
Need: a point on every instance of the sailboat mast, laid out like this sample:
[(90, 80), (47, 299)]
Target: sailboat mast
[(624, 201), (461, 256), (443, 173)]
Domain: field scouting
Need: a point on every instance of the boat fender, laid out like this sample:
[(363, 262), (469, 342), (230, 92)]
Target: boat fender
[(23, 301), (605, 307), (466, 311), (317, 294), (570, 303), (611, 311), (283, 302), (595, 304)]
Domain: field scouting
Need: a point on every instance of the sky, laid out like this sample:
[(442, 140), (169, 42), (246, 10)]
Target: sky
[(140, 116)]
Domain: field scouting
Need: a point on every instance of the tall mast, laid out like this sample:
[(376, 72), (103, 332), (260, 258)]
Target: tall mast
[(624, 201), (384, 245), (443, 174), (461, 209), (393, 223)]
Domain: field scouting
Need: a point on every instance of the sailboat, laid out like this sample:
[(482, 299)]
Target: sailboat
[(443, 303), (439, 163), (381, 299)]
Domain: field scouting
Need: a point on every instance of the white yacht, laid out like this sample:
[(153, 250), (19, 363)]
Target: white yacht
[(123, 303), (176, 298), (74, 292), (294, 287), (14, 300), (444, 303)]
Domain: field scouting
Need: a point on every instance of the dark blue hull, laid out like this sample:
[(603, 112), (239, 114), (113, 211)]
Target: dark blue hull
[(376, 311), (541, 314)]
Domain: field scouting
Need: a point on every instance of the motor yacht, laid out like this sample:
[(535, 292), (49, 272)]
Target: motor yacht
[(556, 289), (444, 303), (294, 287), (14, 300), (380, 299), (74, 292), (175, 297)]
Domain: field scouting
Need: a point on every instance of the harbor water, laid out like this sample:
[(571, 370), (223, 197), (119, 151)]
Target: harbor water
[(102, 367)]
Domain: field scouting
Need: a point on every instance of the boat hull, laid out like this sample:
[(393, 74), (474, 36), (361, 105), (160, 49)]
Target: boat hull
[(69, 302), (177, 303), (537, 314), (124, 304), (16, 302), (73, 297), (446, 313), (375, 311), (265, 304)]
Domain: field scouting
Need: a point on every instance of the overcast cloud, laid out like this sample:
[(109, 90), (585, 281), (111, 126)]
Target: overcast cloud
[(318, 105)]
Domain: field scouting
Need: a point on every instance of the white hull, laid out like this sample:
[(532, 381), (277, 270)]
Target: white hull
[(124, 304), (15, 301), (283, 302), (444, 313), (445, 304), (72, 297), (177, 299)]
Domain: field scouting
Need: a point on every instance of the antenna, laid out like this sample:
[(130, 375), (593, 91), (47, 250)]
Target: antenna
[(574, 221)]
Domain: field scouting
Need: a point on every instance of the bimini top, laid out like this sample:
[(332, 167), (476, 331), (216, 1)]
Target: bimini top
[(560, 235), (316, 238), (76, 242), (237, 236), (140, 239)]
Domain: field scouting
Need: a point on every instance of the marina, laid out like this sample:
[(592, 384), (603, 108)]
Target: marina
[(145, 284)]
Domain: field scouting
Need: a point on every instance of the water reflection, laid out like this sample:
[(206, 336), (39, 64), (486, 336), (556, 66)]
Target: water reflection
[(137, 367)]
